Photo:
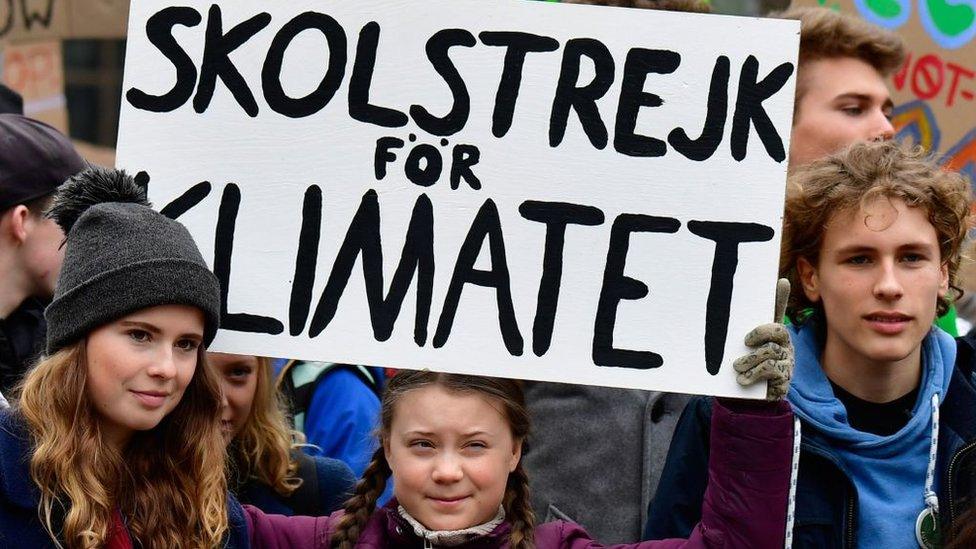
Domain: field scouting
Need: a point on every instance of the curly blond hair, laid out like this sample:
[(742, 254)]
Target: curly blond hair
[(850, 179), (169, 482)]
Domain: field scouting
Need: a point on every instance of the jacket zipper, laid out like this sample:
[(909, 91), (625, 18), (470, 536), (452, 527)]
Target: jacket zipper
[(951, 475), (850, 522), (849, 540)]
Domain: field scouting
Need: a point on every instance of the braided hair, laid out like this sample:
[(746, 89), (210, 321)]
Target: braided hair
[(508, 393), (361, 505), (518, 510)]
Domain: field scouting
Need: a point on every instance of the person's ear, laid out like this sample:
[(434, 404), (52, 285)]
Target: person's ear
[(808, 279), (516, 456), (14, 222)]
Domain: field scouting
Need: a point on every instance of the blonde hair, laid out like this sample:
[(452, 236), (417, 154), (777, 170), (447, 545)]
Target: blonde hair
[(826, 34), (169, 482), (262, 449), (850, 179)]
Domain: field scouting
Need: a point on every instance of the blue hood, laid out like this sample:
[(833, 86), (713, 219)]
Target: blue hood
[(813, 398), (888, 472)]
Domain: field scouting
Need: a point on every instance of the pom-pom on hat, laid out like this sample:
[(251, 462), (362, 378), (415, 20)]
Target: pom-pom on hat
[(121, 256)]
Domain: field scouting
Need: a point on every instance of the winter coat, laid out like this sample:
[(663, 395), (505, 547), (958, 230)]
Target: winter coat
[(22, 336), (20, 525), (326, 484), (744, 507), (826, 499), (626, 431)]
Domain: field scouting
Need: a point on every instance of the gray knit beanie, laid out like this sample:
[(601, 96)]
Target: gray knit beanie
[(121, 256)]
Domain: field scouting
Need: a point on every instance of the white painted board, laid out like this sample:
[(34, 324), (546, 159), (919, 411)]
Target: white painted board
[(295, 138)]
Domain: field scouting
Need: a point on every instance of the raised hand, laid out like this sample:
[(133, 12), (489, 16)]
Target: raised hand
[(771, 358)]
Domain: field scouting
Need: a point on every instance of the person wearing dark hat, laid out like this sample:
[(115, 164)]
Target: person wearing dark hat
[(34, 159), (114, 437)]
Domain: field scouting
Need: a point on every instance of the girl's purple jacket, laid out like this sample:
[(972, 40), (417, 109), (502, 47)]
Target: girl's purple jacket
[(745, 503)]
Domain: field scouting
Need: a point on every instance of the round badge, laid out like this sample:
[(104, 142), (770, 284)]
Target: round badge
[(927, 530)]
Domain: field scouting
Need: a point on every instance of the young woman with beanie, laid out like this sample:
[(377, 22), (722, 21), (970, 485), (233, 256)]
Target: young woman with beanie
[(114, 439)]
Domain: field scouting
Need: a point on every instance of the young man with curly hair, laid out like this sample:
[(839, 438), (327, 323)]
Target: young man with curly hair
[(871, 244)]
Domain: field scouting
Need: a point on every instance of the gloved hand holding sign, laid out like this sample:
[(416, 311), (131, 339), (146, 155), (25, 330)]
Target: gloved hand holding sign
[(771, 358)]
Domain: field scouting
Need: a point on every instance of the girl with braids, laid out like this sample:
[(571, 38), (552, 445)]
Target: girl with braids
[(267, 467), (452, 444)]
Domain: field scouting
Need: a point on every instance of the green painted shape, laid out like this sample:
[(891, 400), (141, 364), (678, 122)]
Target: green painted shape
[(951, 20), (888, 9)]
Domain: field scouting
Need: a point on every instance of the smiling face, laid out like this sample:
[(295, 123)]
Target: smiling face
[(845, 101), (450, 454), (878, 277), (139, 366), (238, 375)]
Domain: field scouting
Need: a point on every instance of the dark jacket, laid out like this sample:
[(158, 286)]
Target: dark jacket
[(20, 497), (826, 499), (747, 509), (22, 336), (326, 484)]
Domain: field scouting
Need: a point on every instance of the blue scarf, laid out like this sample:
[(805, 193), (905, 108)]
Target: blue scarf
[(888, 471)]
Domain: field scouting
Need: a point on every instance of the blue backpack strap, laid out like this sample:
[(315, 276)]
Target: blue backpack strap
[(298, 380)]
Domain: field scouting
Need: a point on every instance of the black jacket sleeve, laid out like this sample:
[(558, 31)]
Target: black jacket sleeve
[(675, 508)]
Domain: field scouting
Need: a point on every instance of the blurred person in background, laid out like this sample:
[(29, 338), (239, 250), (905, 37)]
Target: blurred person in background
[(34, 159), (267, 467)]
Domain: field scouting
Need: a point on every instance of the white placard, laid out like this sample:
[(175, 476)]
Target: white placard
[(580, 194)]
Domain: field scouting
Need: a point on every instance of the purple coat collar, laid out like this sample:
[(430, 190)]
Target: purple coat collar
[(386, 528)]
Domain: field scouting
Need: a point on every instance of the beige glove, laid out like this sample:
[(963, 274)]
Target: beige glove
[(771, 359)]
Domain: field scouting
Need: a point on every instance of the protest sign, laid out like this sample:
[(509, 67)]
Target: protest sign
[(520, 189), (935, 90), (34, 20), (35, 72)]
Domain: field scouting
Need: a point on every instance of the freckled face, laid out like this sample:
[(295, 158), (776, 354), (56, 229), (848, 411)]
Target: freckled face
[(450, 454), (238, 375), (139, 366)]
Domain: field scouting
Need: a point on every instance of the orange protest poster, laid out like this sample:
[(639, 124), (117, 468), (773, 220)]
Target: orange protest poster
[(35, 71)]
